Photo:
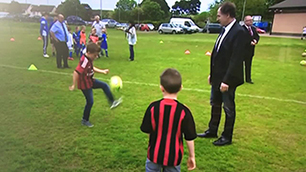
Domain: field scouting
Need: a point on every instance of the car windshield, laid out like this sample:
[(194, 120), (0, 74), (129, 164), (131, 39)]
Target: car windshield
[(191, 23)]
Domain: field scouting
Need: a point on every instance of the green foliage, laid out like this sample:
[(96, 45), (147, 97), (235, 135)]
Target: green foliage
[(152, 11), (126, 5), (253, 7), (186, 7), (73, 7), (148, 10), (15, 8), (201, 18), (163, 5)]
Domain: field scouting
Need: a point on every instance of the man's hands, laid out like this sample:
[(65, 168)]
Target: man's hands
[(224, 87), (254, 42)]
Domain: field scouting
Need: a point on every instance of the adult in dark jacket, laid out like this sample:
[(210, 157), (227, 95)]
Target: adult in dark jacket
[(253, 39), (226, 73)]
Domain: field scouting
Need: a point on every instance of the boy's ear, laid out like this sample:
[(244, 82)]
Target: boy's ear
[(181, 87), (162, 88)]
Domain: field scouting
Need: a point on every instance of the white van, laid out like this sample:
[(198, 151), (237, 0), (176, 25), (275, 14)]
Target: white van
[(185, 22)]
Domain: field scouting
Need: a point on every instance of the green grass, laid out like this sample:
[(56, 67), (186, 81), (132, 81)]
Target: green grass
[(40, 126)]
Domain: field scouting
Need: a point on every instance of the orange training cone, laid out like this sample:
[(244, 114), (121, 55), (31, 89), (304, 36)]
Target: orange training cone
[(12, 39), (39, 38), (187, 52), (208, 53)]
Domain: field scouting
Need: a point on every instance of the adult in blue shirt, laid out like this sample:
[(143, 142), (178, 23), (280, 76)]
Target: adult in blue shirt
[(44, 33), (59, 33)]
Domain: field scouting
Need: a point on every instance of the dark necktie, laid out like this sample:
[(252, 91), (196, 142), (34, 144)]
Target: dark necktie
[(218, 41), (250, 31), (66, 40)]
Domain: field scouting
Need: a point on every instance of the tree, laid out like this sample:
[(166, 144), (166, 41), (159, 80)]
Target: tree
[(186, 7), (124, 10), (73, 7), (15, 8), (163, 5), (201, 19), (152, 11), (126, 5), (252, 7)]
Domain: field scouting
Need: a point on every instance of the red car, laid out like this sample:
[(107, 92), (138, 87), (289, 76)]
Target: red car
[(260, 30), (144, 27)]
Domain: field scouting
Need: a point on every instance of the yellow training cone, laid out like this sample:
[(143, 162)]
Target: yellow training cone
[(32, 67)]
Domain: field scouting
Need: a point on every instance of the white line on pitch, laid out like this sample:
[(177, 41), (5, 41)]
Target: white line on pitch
[(156, 85)]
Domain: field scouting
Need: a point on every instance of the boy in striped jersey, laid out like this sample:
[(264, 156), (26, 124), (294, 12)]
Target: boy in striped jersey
[(83, 77), (166, 121)]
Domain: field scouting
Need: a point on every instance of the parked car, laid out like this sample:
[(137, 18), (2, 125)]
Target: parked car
[(75, 20), (109, 22), (122, 26), (186, 22), (144, 27), (185, 29), (212, 28), (169, 28), (151, 26), (260, 30)]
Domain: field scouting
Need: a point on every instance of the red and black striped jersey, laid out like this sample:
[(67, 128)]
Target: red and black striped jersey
[(166, 121), (86, 72)]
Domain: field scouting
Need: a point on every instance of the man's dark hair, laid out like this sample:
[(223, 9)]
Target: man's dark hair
[(45, 14), (171, 80), (132, 25), (228, 8), (93, 48)]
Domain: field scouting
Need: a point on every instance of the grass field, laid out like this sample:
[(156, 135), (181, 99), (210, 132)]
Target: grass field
[(40, 126)]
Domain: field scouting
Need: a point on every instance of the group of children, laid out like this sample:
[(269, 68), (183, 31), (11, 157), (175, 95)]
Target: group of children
[(77, 41)]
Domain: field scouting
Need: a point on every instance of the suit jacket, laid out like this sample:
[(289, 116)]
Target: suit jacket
[(250, 48), (226, 65)]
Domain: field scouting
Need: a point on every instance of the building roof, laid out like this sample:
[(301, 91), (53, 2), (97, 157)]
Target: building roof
[(86, 6), (4, 7), (24, 6), (290, 4), (42, 8)]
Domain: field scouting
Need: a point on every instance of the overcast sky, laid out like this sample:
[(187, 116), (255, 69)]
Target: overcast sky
[(106, 4)]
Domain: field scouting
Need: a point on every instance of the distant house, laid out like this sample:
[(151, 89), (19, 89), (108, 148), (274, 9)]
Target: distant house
[(289, 17), (24, 8), (4, 7), (35, 10), (88, 11)]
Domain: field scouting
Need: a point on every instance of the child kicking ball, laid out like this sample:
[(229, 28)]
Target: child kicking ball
[(83, 77)]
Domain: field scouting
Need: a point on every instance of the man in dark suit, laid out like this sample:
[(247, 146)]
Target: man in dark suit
[(253, 39), (226, 73)]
